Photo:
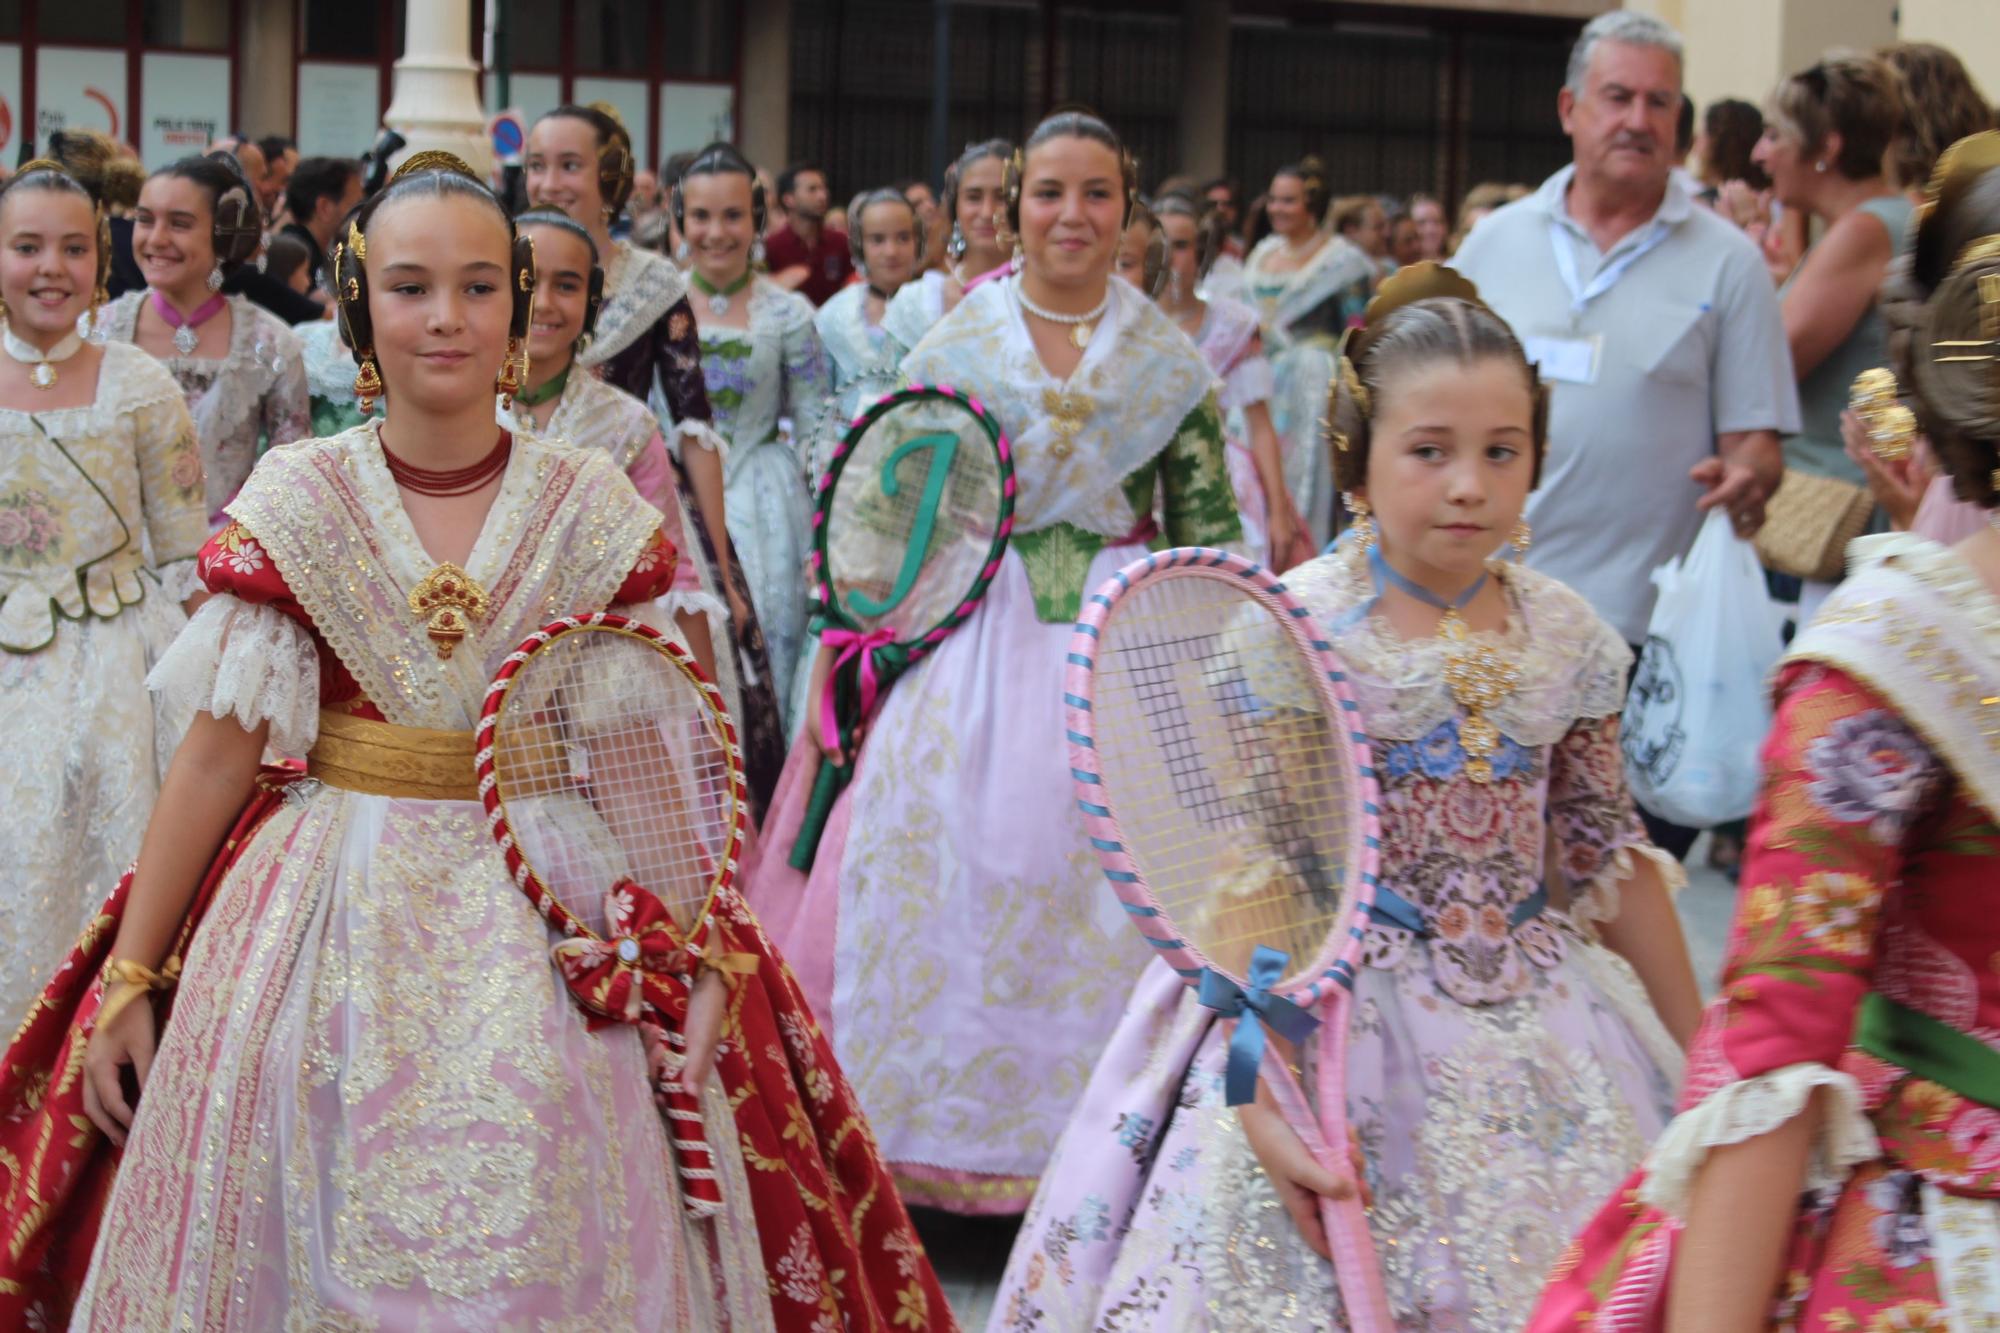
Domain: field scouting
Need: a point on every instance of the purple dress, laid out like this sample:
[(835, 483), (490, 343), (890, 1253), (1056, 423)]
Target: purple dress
[(1505, 1068)]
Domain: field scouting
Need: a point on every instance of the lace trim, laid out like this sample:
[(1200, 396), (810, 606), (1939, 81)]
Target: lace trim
[(1573, 665), (250, 662), (642, 287), (1749, 1107), (1600, 898), (1938, 569), (703, 434), (694, 602), (129, 381)]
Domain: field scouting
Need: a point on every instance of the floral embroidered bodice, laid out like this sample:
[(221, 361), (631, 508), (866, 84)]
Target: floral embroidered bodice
[(1470, 857), (90, 496)]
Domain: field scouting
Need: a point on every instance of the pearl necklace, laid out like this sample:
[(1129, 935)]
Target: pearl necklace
[(43, 376), (1080, 326)]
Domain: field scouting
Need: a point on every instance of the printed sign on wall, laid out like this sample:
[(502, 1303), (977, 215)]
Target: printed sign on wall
[(78, 88), (186, 105)]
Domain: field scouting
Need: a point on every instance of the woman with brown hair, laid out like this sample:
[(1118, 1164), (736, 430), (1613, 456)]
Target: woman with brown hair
[(1823, 146)]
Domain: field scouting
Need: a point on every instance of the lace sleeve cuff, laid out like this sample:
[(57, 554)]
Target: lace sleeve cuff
[(247, 661), (702, 434), (180, 579), (1745, 1109), (1597, 898), (1249, 381)]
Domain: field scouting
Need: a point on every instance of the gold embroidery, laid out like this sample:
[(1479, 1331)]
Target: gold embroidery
[(451, 601), (1068, 411)]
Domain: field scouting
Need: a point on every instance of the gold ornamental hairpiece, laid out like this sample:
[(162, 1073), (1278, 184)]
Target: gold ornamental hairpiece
[(1876, 398), (357, 242), (1408, 285), (435, 159)]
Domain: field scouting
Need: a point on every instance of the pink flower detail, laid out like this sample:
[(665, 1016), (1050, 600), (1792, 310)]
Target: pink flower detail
[(14, 528)]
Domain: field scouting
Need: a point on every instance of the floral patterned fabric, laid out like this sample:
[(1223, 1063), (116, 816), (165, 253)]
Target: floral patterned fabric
[(1869, 869), (1497, 1073), (101, 513), (969, 975), (250, 399)]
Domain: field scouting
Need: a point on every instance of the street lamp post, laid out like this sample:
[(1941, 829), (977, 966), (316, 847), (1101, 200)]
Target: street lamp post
[(436, 102)]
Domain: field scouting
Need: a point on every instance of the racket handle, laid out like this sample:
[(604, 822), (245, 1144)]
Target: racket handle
[(826, 790), (1346, 1221)]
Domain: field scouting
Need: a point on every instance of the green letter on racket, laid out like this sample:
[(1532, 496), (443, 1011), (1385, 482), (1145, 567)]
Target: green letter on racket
[(944, 443)]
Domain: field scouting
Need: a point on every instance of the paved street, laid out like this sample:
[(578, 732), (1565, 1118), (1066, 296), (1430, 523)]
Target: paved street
[(970, 1253)]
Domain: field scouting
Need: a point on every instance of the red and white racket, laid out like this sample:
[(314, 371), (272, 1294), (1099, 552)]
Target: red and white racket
[(1226, 784), (613, 783)]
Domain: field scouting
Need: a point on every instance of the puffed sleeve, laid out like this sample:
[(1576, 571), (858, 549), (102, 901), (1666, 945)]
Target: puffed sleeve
[(676, 344), (1250, 380), (1197, 504), (807, 380), (1594, 825), (1845, 778), (286, 408), (171, 491), (247, 653), (652, 573)]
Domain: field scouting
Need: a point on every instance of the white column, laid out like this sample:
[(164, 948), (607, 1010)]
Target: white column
[(436, 103)]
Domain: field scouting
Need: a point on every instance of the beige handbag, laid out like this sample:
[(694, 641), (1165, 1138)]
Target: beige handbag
[(1808, 524)]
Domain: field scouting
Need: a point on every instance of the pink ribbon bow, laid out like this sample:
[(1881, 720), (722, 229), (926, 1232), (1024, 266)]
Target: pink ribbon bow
[(851, 644)]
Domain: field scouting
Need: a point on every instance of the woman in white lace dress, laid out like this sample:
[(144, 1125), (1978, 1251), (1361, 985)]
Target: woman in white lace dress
[(101, 515), (762, 362), (240, 367)]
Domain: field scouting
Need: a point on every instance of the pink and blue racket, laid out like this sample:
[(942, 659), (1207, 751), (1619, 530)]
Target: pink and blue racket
[(1226, 785)]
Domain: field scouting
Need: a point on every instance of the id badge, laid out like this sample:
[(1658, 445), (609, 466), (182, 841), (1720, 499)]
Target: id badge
[(1569, 359)]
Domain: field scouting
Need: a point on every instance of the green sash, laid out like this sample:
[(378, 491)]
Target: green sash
[(1929, 1049)]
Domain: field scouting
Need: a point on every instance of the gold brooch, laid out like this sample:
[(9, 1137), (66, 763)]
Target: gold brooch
[(451, 602)]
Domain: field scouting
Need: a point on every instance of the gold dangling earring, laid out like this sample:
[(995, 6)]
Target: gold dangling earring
[(1364, 523), (509, 381), (367, 383), (1521, 538)]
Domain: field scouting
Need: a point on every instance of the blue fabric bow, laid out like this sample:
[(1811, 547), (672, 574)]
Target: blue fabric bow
[(1252, 1007)]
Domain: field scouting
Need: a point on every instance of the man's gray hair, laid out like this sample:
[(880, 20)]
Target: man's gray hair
[(1620, 25)]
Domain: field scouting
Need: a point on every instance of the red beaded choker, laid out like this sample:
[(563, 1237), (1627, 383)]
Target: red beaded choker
[(457, 481)]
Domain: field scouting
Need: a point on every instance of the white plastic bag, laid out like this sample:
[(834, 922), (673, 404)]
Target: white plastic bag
[(1699, 706)]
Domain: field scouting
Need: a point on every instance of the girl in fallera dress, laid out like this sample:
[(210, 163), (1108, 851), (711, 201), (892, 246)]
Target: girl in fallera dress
[(1836, 1161), (101, 516), (372, 1077), (761, 361), (241, 367), (864, 360), (1226, 332), (973, 202), (1298, 279), (563, 401), (1504, 1058), (953, 932), (579, 159)]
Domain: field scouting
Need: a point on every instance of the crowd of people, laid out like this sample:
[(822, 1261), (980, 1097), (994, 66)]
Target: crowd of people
[(294, 1049)]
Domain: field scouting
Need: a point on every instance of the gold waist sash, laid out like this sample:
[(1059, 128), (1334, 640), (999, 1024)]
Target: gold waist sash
[(383, 759)]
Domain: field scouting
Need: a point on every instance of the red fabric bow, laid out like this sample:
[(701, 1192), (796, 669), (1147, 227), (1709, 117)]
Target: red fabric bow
[(639, 965)]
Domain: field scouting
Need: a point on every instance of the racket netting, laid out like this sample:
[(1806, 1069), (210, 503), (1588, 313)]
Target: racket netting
[(913, 516), (1224, 772), (610, 763)]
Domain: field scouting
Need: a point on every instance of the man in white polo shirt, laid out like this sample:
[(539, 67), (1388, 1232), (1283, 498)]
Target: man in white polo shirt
[(1654, 321)]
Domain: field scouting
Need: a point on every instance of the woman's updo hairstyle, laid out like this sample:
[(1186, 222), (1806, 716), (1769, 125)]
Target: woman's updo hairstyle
[(1424, 312), (1070, 123), (866, 200), (615, 163), (1209, 231), (998, 149), (1942, 305), (432, 175), (1856, 96), (593, 299), (721, 159), (76, 164), (236, 229), (1310, 173)]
